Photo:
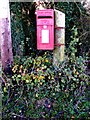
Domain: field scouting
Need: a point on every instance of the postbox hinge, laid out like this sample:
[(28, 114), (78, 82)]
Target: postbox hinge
[(59, 27)]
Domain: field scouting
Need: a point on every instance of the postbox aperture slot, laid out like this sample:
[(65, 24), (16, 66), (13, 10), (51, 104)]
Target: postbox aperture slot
[(44, 17)]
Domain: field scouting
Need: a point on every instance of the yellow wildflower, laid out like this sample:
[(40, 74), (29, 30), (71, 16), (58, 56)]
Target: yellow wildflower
[(41, 77), (46, 60)]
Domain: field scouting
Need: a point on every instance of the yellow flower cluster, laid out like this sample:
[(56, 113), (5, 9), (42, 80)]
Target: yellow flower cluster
[(46, 60), (41, 77), (14, 69)]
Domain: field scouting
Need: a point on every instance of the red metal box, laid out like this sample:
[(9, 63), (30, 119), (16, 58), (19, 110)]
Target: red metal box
[(45, 29)]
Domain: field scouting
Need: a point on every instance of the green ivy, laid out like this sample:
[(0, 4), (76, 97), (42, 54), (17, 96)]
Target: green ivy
[(38, 89)]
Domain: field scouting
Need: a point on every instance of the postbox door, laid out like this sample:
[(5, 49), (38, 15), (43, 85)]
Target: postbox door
[(45, 37)]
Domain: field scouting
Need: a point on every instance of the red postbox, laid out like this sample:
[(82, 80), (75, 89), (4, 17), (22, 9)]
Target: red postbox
[(45, 29)]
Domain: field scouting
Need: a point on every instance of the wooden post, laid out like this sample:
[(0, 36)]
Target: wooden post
[(58, 54), (5, 35)]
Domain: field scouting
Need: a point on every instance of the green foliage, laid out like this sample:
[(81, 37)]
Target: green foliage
[(18, 35), (23, 28), (38, 89), (75, 16)]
